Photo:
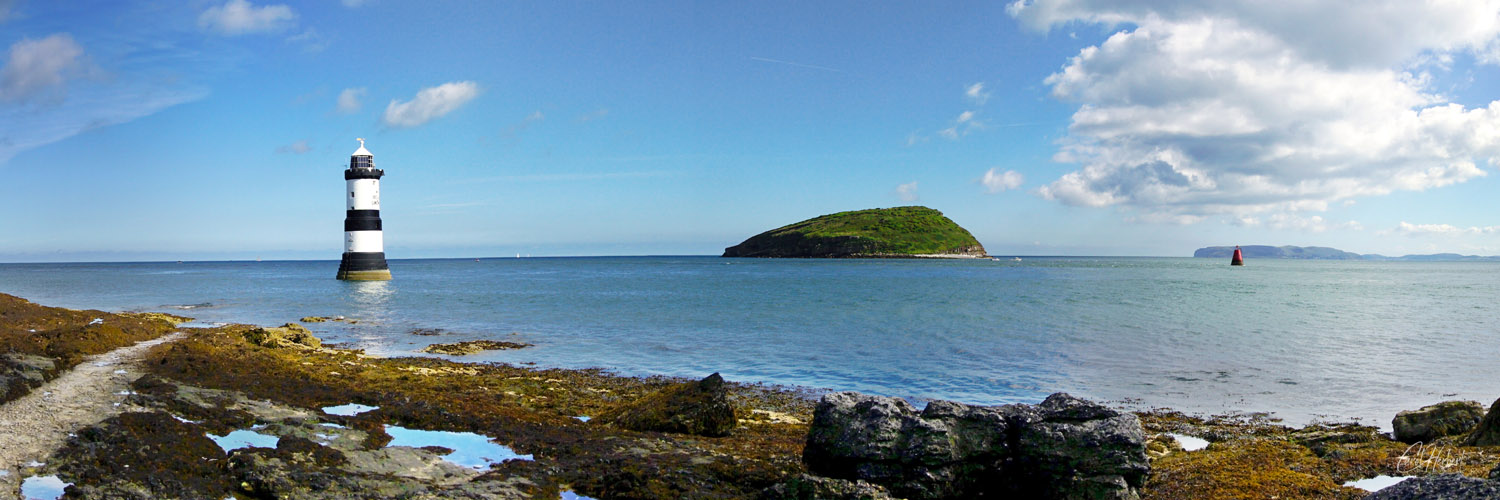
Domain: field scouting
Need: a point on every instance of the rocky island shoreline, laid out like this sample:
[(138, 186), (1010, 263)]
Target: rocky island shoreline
[(599, 435)]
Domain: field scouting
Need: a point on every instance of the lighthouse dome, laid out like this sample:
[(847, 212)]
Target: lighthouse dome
[(362, 151)]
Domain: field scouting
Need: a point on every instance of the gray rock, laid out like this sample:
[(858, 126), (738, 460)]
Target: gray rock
[(1063, 448), (1442, 486), (810, 487), (1487, 433), (1083, 449), (20, 373), (1448, 418)]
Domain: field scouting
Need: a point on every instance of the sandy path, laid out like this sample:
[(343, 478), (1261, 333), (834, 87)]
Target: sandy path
[(34, 427)]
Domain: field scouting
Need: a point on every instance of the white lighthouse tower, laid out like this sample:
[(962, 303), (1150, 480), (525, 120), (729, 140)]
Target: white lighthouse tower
[(364, 243)]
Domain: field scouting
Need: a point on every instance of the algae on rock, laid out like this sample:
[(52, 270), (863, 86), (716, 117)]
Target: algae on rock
[(700, 408), (472, 347), (288, 335), (1434, 421)]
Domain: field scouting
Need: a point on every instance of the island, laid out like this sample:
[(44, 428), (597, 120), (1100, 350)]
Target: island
[(899, 232), (1325, 253)]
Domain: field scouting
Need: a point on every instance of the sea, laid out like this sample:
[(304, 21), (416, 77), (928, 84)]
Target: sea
[(1301, 340)]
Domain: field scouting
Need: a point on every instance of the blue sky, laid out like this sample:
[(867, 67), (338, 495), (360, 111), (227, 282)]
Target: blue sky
[(219, 129)]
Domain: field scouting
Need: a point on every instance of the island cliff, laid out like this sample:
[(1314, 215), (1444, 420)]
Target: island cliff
[(876, 233)]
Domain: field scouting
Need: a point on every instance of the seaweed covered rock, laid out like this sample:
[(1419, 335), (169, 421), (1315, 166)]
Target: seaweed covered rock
[(700, 408), (144, 455), (1063, 448), (810, 487), (1431, 422), (20, 373), (288, 335), (472, 347), (1487, 433), (1440, 487)]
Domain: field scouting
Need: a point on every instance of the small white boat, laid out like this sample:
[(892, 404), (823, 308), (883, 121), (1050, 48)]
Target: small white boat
[(1017, 259)]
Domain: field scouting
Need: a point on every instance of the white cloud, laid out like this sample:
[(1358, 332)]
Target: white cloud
[(962, 126), (40, 67), (516, 128), (310, 39), (977, 93), (89, 107), (995, 181), (239, 17), (349, 100), (430, 103), (907, 192), (1207, 108), (915, 138), (298, 147), (1414, 230), (1293, 222)]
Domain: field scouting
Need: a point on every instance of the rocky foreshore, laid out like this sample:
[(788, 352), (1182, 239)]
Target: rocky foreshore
[(605, 436)]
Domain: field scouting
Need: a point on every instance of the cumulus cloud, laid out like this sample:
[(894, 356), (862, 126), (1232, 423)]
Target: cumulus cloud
[(349, 100), (977, 93), (239, 17), (298, 147), (907, 192), (430, 103), (995, 181), (40, 68), (1195, 109), (1414, 230)]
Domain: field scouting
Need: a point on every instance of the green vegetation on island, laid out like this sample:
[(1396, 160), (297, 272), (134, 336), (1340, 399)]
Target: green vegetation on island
[(880, 232)]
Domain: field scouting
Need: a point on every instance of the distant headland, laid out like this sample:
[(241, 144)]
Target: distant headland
[(1325, 253), (900, 232)]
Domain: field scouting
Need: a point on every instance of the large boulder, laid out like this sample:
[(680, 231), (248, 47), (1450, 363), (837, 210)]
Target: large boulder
[(1431, 422), (1064, 448), (288, 335), (700, 408), (1078, 449), (1487, 433), (20, 373), (1439, 487)]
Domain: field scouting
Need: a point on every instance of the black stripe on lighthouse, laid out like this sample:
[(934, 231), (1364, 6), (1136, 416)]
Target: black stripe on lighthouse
[(362, 220)]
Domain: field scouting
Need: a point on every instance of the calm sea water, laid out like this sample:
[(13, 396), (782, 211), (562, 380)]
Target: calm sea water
[(1302, 339)]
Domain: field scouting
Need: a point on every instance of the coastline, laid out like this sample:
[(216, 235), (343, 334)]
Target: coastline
[(219, 380)]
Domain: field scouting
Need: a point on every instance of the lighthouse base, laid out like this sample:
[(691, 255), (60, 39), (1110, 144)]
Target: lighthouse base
[(364, 266)]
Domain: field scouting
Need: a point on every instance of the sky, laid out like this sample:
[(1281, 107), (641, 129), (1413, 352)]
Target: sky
[(214, 129)]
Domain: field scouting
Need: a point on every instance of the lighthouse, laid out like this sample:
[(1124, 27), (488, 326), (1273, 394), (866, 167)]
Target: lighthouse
[(364, 244)]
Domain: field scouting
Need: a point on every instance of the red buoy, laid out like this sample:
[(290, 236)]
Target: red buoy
[(1238, 259)]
